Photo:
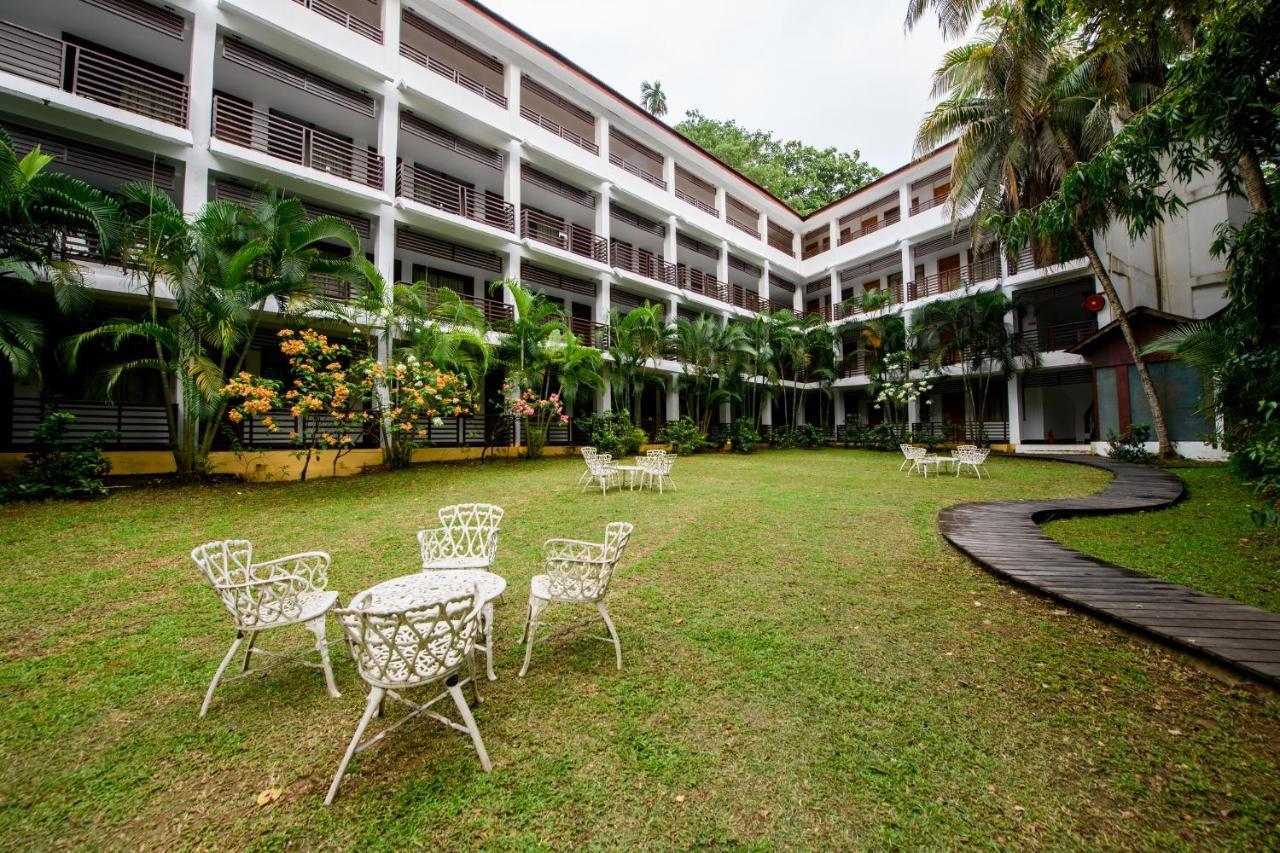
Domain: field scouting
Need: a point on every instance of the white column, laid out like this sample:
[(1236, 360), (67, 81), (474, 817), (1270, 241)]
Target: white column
[(673, 398), (834, 232), (766, 409), (604, 397), (835, 293), (913, 412), (195, 175), (908, 269), (603, 190), (762, 287), (600, 312), (602, 136), (511, 87), (721, 207), (511, 193), (904, 200), (669, 241), (1004, 263), (763, 226), (669, 174), (797, 298), (837, 408), (1015, 409), (722, 263), (796, 240)]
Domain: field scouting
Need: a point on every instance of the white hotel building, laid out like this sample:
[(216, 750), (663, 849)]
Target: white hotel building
[(464, 150)]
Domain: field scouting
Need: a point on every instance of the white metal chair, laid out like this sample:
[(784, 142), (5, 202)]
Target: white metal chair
[(576, 572), (403, 649), (602, 471), (910, 453), (973, 458), (264, 596), (657, 469), (467, 537), (588, 453)]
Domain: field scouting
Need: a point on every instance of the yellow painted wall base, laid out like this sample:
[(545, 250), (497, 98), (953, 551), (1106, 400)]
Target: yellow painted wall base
[(264, 466)]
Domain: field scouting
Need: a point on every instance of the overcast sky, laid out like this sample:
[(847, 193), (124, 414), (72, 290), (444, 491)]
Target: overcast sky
[(865, 83)]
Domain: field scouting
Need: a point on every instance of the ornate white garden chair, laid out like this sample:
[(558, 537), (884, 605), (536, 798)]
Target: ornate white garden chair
[(403, 649), (576, 572), (975, 459), (264, 596), (657, 469), (910, 453), (467, 537), (588, 453), (914, 456), (604, 472)]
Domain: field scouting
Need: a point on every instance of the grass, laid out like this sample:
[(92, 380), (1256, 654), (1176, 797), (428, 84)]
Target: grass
[(807, 664), (1207, 541)]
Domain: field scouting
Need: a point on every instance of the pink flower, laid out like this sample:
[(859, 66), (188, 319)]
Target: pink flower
[(564, 419)]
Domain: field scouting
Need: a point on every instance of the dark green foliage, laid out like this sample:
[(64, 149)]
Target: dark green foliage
[(684, 436), (58, 468), (806, 178), (1130, 445), (743, 436), (810, 435), (613, 433)]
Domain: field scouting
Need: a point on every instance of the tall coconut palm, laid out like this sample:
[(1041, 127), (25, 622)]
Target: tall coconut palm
[(653, 99), (39, 209), (1027, 103), (954, 16), (710, 356)]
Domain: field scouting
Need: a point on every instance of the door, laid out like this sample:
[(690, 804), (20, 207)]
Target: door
[(948, 273)]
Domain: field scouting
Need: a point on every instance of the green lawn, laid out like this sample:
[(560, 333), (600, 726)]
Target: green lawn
[(1207, 541), (807, 664)]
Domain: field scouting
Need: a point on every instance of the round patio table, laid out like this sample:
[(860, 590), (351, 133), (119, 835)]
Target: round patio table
[(434, 586), (632, 472)]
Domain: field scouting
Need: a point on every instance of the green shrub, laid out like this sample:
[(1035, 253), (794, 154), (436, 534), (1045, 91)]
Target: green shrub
[(1129, 446), (810, 435), (58, 468), (613, 433), (684, 436), (743, 436)]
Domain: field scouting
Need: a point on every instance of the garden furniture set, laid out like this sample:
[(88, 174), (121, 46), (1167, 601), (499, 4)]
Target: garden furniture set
[(964, 455), (649, 471), (417, 631)]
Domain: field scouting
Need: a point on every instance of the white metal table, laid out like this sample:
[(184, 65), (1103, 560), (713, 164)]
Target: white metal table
[(632, 472), (436, 585)]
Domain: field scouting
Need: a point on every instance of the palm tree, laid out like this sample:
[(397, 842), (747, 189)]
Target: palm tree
[(954, 16), (635, 339), (710, 357), (761, 361), (653, 99), (39, 210), (1027, 103), (522, 349), (970, 332)]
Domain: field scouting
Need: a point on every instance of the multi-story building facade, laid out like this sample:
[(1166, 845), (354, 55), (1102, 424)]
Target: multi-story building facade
[(464, 151)]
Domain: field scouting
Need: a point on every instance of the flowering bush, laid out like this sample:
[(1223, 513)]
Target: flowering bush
[(895, 388), (330, 396), (536, 413), (418, 394)]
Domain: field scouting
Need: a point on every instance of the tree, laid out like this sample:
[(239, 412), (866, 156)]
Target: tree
[(804, 177), (636, 339), (39, 210), (653, 99), (1028, 104), (710, 357), (970, 332)]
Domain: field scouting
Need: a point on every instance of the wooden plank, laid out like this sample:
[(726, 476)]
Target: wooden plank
[(1004, 538)]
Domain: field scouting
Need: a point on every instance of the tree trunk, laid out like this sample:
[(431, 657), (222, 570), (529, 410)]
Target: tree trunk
[(1165, 449), (1255, 184)]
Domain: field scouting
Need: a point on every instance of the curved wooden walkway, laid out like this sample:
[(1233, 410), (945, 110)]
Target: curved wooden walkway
[(1005, 537)]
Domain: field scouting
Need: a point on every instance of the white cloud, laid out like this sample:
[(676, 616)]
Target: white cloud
[(824, 71)]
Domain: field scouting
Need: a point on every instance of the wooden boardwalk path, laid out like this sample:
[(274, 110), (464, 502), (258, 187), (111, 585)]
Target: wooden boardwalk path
[(1005, 538)]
